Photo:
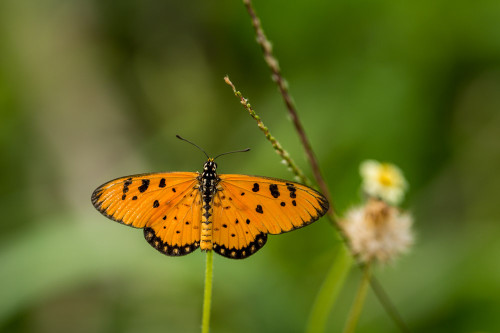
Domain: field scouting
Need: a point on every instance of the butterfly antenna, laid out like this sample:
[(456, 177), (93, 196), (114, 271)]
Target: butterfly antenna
[(181, 138), (230, 152)]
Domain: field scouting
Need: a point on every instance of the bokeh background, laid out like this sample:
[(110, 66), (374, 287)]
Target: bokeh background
[(92, 90)]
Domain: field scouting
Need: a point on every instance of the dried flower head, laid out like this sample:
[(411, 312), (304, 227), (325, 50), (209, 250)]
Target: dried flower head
[(383, 180), (377, 231)]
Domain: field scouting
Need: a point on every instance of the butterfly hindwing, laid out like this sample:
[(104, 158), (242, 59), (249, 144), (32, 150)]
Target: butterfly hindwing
[(178, 231), (234, 236), (166, 205), (247, 208)]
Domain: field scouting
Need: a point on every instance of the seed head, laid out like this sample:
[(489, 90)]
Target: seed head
[(377, 231)]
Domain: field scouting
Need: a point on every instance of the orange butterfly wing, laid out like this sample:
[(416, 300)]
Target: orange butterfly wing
[(166, 205), (247, 208)]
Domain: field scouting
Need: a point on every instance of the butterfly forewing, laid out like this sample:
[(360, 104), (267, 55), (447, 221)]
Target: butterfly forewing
[(246, 208), (166, 205)]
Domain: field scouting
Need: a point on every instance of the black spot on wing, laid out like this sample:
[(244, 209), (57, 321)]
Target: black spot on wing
[(255, 187), (273, 188), (144, 186), (126, 184), (259, 209), (162, 183), (291, 187)]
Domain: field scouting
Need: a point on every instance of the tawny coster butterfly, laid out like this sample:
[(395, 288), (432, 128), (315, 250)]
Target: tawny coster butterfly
[(229, 214)]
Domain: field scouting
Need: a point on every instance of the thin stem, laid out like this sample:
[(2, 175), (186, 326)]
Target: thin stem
[(276, 145), (329, 291), (359, 301), (207, 295), (273, 64), (387, 304)]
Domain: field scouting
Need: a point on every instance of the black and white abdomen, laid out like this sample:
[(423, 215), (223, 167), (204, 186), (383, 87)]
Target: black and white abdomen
[(208, 186)]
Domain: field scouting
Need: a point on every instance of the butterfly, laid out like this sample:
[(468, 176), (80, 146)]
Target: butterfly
[(230, 214)]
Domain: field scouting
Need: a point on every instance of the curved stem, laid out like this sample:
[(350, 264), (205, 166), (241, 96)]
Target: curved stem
[(359, 301), (207, 295)]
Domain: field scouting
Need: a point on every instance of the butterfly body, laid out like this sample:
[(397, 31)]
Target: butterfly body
[(230, 214), (208, 186)]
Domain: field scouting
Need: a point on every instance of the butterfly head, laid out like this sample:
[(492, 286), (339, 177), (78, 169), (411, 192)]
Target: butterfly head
[(210, 166)]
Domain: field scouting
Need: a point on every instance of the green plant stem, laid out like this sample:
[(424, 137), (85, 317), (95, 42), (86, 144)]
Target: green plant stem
[(387, 304), (276, 145), (329, 291), (359, 301), (207, 295)]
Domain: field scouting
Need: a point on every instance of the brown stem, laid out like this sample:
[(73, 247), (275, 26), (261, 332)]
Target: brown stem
[(273, 64)]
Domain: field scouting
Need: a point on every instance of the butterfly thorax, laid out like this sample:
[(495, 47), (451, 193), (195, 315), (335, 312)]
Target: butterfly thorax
[(208, 181)]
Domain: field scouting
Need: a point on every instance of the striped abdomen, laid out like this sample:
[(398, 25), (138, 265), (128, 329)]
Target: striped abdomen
[(208, 184), (206, 223)]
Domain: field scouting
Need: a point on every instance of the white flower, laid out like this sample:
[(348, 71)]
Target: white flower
[(377, 231), (383, 180)]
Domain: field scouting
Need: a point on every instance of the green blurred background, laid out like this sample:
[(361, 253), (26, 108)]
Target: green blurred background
[(93, 90)]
